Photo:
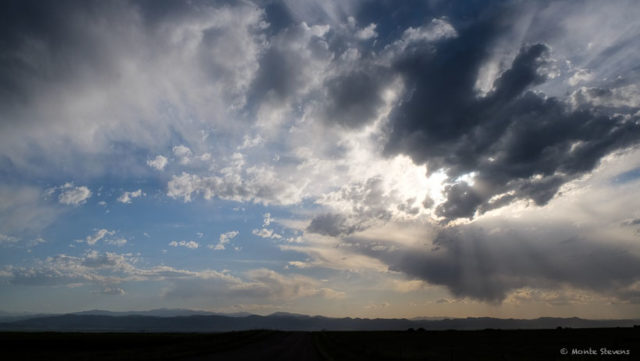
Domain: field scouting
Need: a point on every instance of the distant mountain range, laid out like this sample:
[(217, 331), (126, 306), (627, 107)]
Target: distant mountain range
[(167, 320), (160, 312)]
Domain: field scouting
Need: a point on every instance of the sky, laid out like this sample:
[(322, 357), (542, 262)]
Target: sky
[(359, 158)]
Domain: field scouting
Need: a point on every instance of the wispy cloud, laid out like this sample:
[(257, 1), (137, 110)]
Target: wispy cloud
[(223, 240)]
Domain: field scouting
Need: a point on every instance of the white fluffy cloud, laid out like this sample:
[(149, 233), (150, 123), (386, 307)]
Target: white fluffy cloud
[(72, 195), (579, 76), (266, 233), (366, 33), (435, 30), (126, 197), (186, 244), (253, 184), (159, 162), (183, 153)]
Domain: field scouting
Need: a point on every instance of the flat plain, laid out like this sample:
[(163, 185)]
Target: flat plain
[(555, 344)]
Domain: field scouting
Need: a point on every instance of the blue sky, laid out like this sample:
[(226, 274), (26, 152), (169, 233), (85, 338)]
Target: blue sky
[(343, 158)]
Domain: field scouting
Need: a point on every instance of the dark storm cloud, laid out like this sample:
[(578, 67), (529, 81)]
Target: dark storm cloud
[(281, 74), (287, 66), (42, 41), (519, 144), (633, 222), (355, 98), (473, 262), (330, 224)]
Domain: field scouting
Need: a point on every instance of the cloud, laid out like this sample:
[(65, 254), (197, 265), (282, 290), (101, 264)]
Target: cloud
[(249, 142), (108, 271), (95, 259), (374, 306), (187, 244), (183, 186), (272, 285), (100, 234), (266, 233), (584, 241), (580, 75), (633, 222), (127, 196), (25, 212), (282, 76), (366, 33), (113, 291), (626, 96), (116, 242), (518, 144), (183, 154), (434, 31), (159, 162), (481, 264), (266, 220), (224, 239), (291, 66), (103, 234), (210, 56), (259, 284), (11, 241), (92, 268), (256, 184), (5, 239), (72, 195), (104, 270), (331, 225), (367, 126), (356, 97), (333, 254), (362, 205)]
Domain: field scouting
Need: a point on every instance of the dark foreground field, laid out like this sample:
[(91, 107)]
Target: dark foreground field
[(602, 344)]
